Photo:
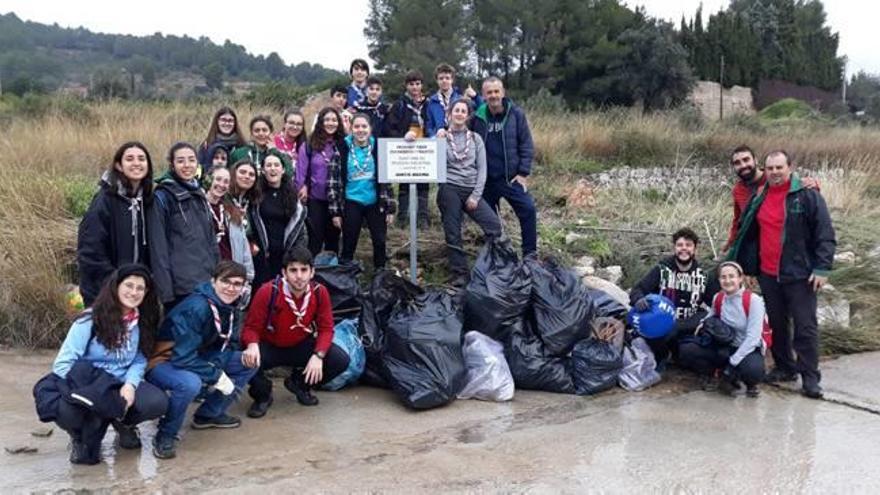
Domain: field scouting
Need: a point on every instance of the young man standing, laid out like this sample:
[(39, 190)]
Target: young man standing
[(373, 106), (680, 279), (290, 323), (359, 70), (509, 153), (407, 120), (786, 238), (446, 94)]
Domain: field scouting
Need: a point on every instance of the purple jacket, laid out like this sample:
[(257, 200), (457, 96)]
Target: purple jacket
[(312, 167)]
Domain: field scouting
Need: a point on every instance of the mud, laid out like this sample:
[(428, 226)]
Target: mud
[(670, 438)]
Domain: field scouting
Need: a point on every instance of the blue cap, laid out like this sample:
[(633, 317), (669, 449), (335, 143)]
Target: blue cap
[(657, 321)]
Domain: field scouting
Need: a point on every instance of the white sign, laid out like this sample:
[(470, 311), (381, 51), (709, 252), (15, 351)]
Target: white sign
[(419, 161)]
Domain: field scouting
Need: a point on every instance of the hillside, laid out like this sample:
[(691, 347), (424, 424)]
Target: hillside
[(41, 57)]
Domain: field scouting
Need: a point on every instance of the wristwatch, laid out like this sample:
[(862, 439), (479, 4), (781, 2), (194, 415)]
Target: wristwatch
[(320, 354)]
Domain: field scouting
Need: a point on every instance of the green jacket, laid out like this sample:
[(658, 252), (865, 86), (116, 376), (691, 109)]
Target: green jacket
[(256, 155)]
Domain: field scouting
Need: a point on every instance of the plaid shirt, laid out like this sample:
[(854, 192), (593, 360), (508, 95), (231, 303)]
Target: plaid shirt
[(337, 177)]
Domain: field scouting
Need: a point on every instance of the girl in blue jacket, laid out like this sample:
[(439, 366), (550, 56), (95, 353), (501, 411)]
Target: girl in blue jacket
[(115, 335)]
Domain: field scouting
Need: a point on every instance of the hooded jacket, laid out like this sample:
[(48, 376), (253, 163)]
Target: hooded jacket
[(808, 238), (295, 233), (189, 337), (183, 241), (401, 115), (687, 289), (519, 150), (113, 232)]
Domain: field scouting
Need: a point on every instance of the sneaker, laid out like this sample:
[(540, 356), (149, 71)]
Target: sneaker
[(222, 421), (778, 375), (752, 391), (127, 436), (259, 409), (812, 390), (164, 447), (81, 454), (298, 388)]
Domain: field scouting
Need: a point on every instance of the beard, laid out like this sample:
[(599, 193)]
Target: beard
[(684, 259), (747, 175)]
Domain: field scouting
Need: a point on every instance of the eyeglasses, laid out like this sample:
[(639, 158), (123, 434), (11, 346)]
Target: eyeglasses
[(135, 287), (295, 124), (237, 285)]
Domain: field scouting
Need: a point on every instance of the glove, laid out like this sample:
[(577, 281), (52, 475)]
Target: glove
[(642, 305), (224, 384)]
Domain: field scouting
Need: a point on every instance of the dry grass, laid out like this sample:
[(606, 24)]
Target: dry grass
[(48, 166)]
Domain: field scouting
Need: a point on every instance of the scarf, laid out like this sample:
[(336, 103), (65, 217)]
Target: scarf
[(299, 312), (218, 324), (124, 340)]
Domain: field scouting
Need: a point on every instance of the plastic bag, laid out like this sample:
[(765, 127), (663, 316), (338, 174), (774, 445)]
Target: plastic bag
[(345, 291), (498, 292), (345, 336), (386, 290), (596, 366), (488, 376), (530, 368), (562, 307), (638, 367), (605, 305), (422, 356)]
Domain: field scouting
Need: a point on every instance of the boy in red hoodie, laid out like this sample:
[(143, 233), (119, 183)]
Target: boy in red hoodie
[(290, 323)]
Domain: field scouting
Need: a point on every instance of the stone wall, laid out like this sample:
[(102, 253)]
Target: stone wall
[(705, 96)]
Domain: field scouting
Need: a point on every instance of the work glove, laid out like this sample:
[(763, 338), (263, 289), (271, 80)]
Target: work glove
[(224, 385)]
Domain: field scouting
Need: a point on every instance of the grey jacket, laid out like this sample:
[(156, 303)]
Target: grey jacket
[(469, 169), (748, 329)]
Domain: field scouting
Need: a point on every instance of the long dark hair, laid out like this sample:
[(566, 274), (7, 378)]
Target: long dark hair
[(116, 177), (214, 130), (320, 138), (173, 151), (289, 199), (106, 312), (253, 196)]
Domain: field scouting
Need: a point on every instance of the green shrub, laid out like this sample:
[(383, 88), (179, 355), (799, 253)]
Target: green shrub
[(78, 193), (787, 108)]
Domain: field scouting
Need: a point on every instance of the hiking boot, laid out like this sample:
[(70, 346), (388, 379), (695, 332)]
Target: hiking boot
[(297, 386), (164, 447), (728, 387), (812, 390), (258, 409), (778, 375), (222, 421), (80, 453), (752, 391), (127, 436)]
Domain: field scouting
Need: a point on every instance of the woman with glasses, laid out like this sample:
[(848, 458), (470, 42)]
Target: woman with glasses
[(198, 346), (292, 135), (224, 133)]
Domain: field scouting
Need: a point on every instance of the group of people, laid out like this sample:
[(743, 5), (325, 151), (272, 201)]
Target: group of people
[(169, 265), (781, 240)]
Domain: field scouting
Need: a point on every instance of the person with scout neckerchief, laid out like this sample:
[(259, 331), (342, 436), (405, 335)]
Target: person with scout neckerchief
[(290, 323)]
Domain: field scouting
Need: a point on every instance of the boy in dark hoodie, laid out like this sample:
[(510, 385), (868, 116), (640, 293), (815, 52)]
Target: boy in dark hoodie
[(198, 346), (680, 279)]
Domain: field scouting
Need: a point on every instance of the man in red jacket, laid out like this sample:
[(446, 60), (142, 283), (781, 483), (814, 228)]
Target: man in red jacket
[(290, 323)]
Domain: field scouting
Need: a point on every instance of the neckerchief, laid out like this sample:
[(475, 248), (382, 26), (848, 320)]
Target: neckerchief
[(457, 154), (411, 104), (360, 92), (218, 324), (298, 311), (123, 341), (361, 168)]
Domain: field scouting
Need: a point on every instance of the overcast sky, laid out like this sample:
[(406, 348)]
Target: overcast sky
[(298, 29)]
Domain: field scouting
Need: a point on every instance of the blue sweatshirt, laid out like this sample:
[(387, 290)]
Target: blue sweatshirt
[(126, 363)]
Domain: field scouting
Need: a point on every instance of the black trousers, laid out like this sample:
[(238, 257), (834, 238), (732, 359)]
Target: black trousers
[(83, 425), (403, 202), (796, 301), (706, 359), (323, 236), (335, 362), (664, 346), (451, 201), (353, 218)]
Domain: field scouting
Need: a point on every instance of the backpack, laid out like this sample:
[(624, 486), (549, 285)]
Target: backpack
[(766, 331)]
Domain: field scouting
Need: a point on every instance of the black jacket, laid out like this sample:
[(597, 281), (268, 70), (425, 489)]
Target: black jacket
[(808, 239), (113, 232), (183, 243), (687, 290), (401, 115), (85, 386)]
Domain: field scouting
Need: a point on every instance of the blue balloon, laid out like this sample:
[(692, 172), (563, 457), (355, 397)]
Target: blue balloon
[(657, 321)]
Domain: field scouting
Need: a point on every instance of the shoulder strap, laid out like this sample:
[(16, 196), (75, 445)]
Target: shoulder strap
[(747, 301), (716, 303), (276, 287)]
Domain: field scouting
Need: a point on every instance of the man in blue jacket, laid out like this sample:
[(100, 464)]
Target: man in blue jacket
[(509, 153), (446, 95)]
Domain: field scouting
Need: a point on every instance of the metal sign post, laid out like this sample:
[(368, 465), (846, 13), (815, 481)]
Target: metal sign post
[(410, 163)]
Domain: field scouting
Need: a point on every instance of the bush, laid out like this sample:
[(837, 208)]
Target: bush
[(788, 108), (279, 95), (78, 193)]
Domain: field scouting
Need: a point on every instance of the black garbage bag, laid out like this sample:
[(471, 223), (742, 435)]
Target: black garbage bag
[(386, 291), (422, 357), (596, 366), (605, 305), (344, 287), (498, 291), (530, 367), (562, 307)]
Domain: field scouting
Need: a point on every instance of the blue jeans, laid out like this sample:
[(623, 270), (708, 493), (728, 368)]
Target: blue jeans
[(523, 206), (183, 386)]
